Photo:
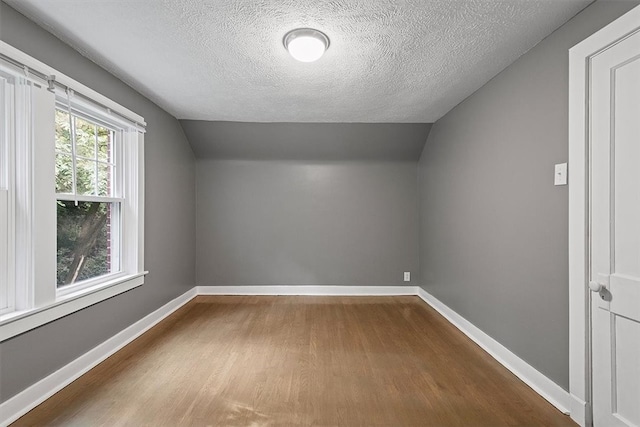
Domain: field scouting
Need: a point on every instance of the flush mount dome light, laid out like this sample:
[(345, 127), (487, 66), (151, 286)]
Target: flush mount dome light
[(306, 44)]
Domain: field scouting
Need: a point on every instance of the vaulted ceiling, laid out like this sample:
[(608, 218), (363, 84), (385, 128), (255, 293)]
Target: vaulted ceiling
[(389, 61)]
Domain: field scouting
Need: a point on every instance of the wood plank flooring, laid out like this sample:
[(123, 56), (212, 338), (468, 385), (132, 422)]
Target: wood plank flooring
[(325, 361)]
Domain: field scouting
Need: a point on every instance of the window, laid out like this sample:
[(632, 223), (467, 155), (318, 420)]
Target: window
[(88, 199), (71, 195)]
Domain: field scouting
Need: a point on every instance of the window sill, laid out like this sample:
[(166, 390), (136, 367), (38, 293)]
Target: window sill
[(18, 322)]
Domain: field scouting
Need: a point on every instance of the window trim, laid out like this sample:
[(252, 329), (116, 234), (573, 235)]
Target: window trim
[(39, 305), (18, 322)]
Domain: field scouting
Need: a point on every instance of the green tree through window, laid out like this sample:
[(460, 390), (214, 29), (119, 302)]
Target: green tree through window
[(86, 210)]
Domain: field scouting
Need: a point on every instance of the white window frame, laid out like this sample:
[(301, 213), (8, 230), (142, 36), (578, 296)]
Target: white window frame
[(123, 147), (35, 298)]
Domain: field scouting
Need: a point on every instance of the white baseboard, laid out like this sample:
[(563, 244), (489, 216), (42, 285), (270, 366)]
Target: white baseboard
[(542, 385), (31, 397), (578, 410), (328, 290)]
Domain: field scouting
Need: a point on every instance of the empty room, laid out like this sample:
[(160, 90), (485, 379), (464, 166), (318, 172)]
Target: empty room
[(320, 213)]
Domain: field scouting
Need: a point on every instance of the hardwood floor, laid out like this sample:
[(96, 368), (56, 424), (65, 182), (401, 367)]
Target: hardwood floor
[(263, 361)]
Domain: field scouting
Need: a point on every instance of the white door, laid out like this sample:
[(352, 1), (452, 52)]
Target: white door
[(614, 88)]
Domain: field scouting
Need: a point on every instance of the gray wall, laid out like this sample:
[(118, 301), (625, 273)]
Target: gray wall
[(493, 227), (307, 141), (169, 222), (306, 222)]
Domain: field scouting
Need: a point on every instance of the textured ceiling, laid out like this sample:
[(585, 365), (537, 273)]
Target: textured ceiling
[(389, 61)]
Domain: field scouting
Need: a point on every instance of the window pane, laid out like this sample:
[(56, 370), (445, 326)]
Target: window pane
[(85, 249), (92, 147), (85, 138), (86, 177), (63, 136), (105, 138), (64, 174), (104, 179)]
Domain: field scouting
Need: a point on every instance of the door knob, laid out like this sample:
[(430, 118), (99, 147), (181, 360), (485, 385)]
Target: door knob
[(595, 286)]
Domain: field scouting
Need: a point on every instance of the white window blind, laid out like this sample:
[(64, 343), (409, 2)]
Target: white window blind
[(7, 282)]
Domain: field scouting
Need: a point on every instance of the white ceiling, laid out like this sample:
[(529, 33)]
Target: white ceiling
[(389, 61)]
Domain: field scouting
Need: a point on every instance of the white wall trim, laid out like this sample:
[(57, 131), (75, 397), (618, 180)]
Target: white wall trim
[(579, 140), (578, 410), (329, 290), (542, 385), (31, 397)]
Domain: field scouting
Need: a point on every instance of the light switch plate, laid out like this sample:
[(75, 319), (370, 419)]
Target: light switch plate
[(560, 176), (407, 276)]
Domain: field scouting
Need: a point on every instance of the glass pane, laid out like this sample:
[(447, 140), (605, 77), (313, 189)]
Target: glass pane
[(63, 136), (105, 139), (85, 138), (86, 177), (104, 179), (84, 236), (64, 174)]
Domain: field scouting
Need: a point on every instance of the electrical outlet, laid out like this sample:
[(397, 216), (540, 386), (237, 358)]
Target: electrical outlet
[(407, 276)]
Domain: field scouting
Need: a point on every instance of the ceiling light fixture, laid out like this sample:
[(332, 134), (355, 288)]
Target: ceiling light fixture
[(306, 44)]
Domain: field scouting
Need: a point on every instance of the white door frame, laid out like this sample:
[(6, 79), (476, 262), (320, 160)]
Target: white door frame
[(579, 141)]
